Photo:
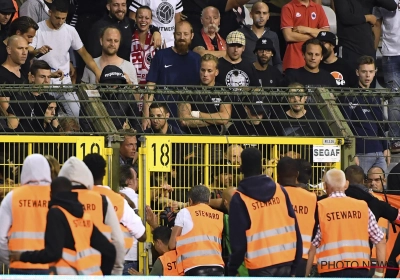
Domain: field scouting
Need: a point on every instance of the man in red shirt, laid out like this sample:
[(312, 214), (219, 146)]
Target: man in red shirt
[(300, 20)]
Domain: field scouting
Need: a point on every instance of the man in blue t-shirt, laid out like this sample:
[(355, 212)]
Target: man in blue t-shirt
[(174, 66)]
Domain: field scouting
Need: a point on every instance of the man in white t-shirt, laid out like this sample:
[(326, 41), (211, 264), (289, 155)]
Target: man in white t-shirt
[(110, 39), (388, 25), (60, 37), (166, 13), (129, 185)]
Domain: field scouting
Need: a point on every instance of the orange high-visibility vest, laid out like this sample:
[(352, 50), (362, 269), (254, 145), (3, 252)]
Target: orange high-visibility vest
[(304, 204), (202, 245), (344, 229), (93, 204), (271, 238), (384, 226), (118, 202), (168, 261), (29, 217), (84, 260)]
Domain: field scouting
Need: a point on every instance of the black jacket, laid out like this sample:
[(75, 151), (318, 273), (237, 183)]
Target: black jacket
[(127, 27), (260, 188), (6, 5), (58, 235)]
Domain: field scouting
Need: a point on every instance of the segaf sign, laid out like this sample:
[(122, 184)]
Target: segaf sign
[(326, 153)]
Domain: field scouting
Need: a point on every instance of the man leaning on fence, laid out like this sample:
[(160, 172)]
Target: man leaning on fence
[(198, 247), (73, 244), (261, 220), (23, 215), (345, 225)]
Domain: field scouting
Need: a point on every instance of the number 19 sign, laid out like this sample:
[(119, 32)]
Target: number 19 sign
[(159, 154)]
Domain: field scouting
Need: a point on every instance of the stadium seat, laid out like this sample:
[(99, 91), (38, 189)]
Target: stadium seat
[(330, 14)]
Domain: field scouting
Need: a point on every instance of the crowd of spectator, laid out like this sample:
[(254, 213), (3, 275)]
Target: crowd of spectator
[(206, 45)]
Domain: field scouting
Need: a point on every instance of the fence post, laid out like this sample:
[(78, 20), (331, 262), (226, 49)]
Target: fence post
[(330, 111)]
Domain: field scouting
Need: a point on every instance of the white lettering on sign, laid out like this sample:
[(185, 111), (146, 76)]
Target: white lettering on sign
[(326, 153), (328, 141)]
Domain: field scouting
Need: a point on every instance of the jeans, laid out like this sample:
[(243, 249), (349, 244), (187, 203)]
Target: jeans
[(130, 264), (282, 271), (29, 271), (71, 108), (369, 160), (391, 75), (205, 271)]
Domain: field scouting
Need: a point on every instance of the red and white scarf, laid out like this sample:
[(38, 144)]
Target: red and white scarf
[(210, 47), (141, 58)]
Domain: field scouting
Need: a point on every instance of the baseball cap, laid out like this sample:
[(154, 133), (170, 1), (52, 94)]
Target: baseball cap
[(7, 7), (236, 37), (257, 106), (326, 36), (112, 74), (264, 44)]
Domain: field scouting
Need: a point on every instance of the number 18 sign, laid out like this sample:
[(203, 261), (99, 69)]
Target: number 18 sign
[(159, 153)]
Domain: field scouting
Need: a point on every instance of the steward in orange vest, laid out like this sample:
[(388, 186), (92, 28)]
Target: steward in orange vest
[(98, 206), (165, 265), (23, 215), (73, 244), (197, 236), (304, 205), (263, 229), (130, 223), (345, 227)]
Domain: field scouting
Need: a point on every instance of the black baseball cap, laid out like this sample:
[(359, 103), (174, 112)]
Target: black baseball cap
[(257, 106), (264, 44), (7, 7), (326, 36), (112, 74)]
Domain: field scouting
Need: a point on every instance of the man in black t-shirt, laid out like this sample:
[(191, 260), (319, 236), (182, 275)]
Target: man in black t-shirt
[(206, 113), (10, 73), (338, 67), (234, 72), (311, 75), (268, 75), (256, 123), (298, 114)]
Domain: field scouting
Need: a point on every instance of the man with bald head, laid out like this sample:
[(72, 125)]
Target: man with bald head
[(376, 179), (341, 231), (260, 15), (10, 73), (208, 39)]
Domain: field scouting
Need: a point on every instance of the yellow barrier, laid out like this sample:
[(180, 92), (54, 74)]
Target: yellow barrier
[(184, 161), (14, 149)]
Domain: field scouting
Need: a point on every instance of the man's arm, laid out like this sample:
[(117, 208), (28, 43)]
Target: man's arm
[(239, 222), (108, 253), (313, 32), (133, 223), (377, 30), (5, 225), (233, 4), (202, 51), (117, 237), (220, 118), (311, 254), (176, 231), (381, 254), (293, 37), (378, 238), (186, 118), (88, 59), (54, 237)]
